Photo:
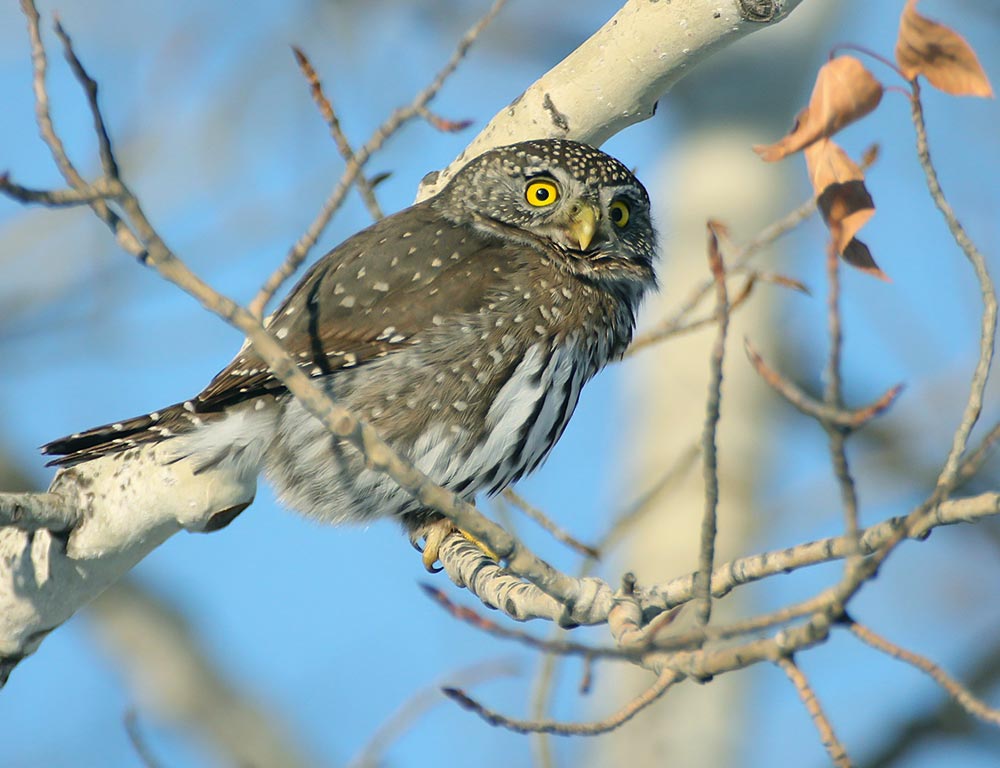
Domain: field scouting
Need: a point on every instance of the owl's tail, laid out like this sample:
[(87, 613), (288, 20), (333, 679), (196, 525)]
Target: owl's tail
[(121, 435)]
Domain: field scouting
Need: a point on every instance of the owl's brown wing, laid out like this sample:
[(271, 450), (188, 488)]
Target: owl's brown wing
[(370, 296)]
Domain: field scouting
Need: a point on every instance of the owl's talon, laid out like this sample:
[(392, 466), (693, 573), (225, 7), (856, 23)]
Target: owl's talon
[(434, 535)]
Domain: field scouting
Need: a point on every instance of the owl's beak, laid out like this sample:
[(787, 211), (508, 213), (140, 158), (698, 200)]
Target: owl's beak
[(582, 225)]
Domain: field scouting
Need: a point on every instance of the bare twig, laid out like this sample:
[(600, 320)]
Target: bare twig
[(42, 114), (709, 525), (443, 124), (336, 131), (56, 198), (480, 622), (974, 461), (142, 750), (47, 131), (625, 520), (558, 533), (830, 741), (942, 721), (108, 161), (403, 719), (678, 323), (839, 417), (299, 251), (962, 695), (833, 397), (951, 470), (663, 682), (988, 329)]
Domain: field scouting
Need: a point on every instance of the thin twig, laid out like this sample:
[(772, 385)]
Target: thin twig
[(830, 741), (297, 254), (125, 237), (663, 682), (629, 517), (974, 460), (709, 523), (558, 533), (108, 161), (842, 418), (962, 695), (987, 340), (833, 398), (42, 114), (336, 131), (941, 724), (418, 705), (678, 323), (622, 523), (951, 470), (443, 124), (561, 647), (101, 189), (142, 750)]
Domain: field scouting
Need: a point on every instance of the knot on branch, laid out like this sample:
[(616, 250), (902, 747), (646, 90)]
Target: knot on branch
[(758, 11)]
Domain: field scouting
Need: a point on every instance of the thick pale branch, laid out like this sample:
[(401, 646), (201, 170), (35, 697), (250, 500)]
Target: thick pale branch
[(37, 511), (468, 567), (614, 79), (748, 569)]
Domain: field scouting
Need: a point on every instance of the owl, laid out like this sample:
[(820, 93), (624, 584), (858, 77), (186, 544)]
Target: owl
[(462, 329)]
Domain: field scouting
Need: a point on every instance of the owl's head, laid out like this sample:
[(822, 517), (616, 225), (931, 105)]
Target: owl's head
[(577, 203)]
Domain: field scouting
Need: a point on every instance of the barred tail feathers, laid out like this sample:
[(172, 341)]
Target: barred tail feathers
[(122, 435)]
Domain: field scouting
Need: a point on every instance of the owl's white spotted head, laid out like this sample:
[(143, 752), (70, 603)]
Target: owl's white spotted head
[(570, 199)]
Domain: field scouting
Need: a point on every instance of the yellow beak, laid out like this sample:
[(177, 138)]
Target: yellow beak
[(583, 224)]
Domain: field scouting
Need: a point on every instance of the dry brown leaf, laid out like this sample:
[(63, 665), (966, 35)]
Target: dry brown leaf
[(841, 195), (857, 255), (940, 54), (844, 92)]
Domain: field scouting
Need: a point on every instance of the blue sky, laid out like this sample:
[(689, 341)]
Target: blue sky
[(218, 136)]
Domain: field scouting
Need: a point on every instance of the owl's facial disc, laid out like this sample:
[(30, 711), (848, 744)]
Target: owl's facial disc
[(581, 223)]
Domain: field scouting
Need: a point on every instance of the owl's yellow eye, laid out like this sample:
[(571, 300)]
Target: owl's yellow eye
[(619, 213), (541, 192)]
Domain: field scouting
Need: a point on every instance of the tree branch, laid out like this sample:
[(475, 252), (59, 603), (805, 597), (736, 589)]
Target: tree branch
[(123, 529)]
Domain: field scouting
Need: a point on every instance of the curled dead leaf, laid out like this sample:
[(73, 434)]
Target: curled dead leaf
[(841, 195), (860, 257), (844, 92), (940, 54)]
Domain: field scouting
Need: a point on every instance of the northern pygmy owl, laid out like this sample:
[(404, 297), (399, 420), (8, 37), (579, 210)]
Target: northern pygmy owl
[(461, 328)]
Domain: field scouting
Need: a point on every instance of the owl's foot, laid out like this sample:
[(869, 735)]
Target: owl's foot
[(434, 535)]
